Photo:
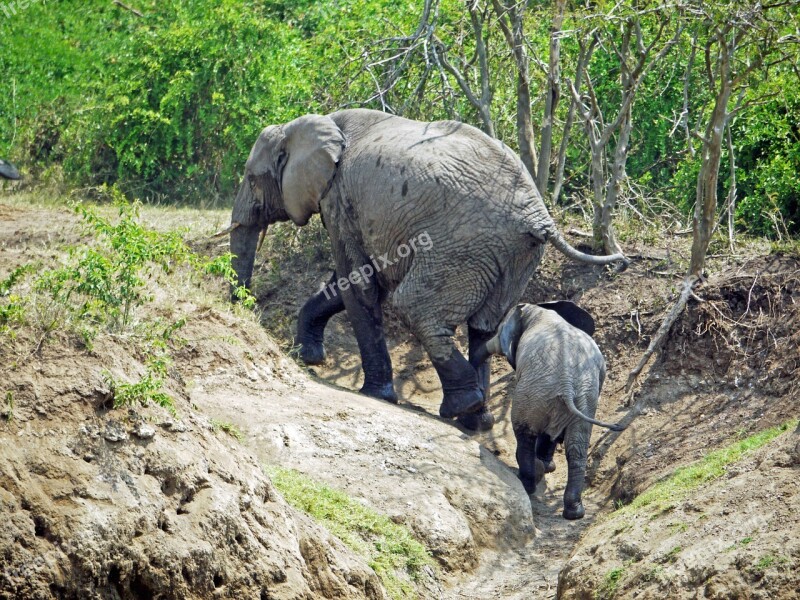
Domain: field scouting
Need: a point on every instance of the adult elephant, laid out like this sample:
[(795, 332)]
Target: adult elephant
[(379, 182)]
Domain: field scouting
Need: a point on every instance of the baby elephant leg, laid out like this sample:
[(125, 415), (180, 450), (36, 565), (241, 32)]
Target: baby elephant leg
[(545, 448), (576, 445), (526, 458)]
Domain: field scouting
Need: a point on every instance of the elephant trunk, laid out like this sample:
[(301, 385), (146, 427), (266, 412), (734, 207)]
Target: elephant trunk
[(244, 242), (563, 246), (248, 220), (253, 211)]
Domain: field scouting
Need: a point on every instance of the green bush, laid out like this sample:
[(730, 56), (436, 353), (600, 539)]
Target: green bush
[(168, 105), (99, 288)]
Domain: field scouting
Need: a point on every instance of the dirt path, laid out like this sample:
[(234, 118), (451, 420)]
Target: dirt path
[(506, 568)]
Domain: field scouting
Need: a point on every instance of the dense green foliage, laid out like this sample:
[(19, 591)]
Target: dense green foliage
[(167, 105)]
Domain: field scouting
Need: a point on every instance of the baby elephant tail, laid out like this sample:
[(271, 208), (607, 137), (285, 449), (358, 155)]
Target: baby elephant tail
[(574, 410)]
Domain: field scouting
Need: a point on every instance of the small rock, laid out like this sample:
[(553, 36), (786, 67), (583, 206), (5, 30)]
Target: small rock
[(115, 433), (144, 431), (175, 426)]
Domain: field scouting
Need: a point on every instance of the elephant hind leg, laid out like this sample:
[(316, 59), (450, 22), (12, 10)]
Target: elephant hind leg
[(483, 420), (576, 445), (545, 449), (431, 307)]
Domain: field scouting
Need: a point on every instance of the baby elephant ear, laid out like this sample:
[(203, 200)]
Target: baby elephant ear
[(509, 333), (572, 314), (314, 145)]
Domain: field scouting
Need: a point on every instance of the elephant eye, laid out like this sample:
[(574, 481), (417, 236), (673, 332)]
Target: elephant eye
[(252, 180)]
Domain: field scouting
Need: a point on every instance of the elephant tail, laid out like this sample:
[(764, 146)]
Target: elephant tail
[(563, 246), (574, 410)]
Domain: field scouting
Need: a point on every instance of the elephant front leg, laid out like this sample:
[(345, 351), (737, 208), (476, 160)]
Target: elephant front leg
[(462, 391), (363, 304), (313, 318), (483, 420), (526, 457), (424, 307), (576, 444)]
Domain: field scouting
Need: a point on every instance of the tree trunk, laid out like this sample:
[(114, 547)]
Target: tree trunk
[(527, 150), (731, 191), (583, 59), (551, 100), (598, 185), (607, 233), (705, 209), (515, 38)]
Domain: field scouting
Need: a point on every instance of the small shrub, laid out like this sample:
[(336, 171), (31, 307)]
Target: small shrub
[(146, 390), (8, 412), (672, 555)]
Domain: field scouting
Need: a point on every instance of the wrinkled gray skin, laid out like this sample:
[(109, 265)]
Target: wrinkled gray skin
[(380, 181), (559, 375)]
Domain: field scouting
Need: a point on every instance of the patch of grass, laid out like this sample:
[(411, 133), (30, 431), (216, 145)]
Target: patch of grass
[(682, 481), (678, 527), (672, 555), (739, 544), (226, 427), (765, 562), (8, 412), (608, 589), (390, 549), (655, 573)]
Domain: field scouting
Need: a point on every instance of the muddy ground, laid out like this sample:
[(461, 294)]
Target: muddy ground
[(728, 370)]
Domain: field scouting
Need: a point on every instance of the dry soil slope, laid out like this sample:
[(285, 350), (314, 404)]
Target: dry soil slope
[(101, 503)]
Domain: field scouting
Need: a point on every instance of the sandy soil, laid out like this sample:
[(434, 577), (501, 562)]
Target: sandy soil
[(729, 369)]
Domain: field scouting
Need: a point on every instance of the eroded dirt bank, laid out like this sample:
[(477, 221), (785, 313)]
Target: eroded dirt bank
[(112, 503)]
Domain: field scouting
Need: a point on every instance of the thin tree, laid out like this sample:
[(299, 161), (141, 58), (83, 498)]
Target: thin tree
[(636, 59), (738, 40)]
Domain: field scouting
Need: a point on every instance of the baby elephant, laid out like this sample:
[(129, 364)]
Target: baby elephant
[(559, 374)]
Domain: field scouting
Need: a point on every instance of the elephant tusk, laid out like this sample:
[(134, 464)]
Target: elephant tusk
[(261, 239), (227, 230)]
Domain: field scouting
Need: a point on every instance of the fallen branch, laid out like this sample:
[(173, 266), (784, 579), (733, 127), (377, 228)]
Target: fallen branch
[(579, 233), (128, 8), (663, 331)]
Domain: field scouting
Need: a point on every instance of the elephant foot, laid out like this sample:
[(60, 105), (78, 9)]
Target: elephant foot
[(312, 353), (482, 420), (528, 483), (383, 391), (461, 402), (573, 512), (549, 466)]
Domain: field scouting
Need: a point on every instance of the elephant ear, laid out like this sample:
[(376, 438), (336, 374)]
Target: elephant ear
[(572, 314), (313, 146), (508, 335)]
